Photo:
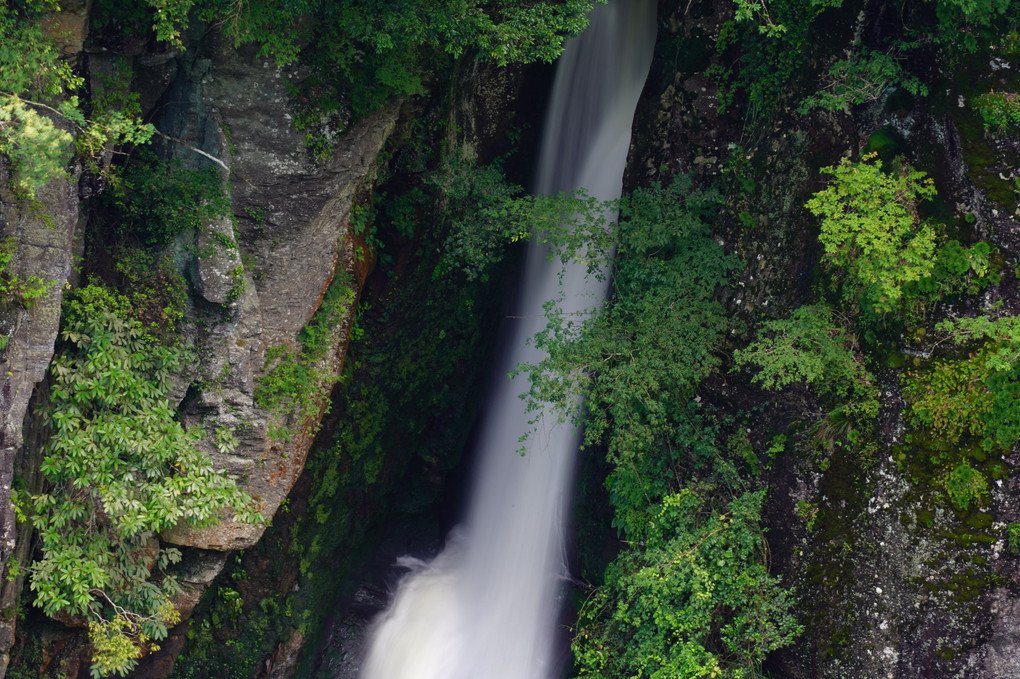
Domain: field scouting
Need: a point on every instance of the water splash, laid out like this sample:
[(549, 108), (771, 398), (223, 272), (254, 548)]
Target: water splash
[(487, 606)]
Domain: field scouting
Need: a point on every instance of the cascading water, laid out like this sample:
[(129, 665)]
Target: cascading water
[(487, 606)]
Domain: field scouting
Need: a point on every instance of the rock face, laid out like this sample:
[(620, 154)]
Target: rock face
[(261, 274), (893, 580), (44, 234), (258, 275)]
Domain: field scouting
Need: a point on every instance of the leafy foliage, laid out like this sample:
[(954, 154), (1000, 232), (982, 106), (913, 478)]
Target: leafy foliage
[(860, 79), (978, 395), (380, 50), (967, 25), (16, 289), (957, 270), (766, 42), (120, 469), (1000, 111), (293, 381), (647, 352), (166, 18), (29, 62), (813, 347), (965, 485), (972, 399), (874, 241), (690, 594), (158, 200), (950, 398), (484, 213), (156, 291), (693, 599), (30, 68)]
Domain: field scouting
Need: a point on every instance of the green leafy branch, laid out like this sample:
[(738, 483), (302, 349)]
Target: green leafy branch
[(860, 79), (119, 469)]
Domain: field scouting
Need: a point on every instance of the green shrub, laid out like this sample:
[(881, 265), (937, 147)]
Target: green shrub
[(813, 347), (858, 80), (958, 270), (157, 200), (689, 594), (155, 289), (30, 65), (119, 469), (950, 398), (483, 214), (965, 485), (37, 83), (657, 339), (969, 25), (692, 598), (381, 50), (977, 395), (998, 366), (1000, 111), (874, 242)]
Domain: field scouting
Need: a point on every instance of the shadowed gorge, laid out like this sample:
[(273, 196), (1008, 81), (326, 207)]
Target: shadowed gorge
[(315, 362)]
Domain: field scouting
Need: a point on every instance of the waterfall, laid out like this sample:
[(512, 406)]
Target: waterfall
[(487, 606)]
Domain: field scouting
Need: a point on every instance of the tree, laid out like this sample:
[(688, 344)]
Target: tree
[(812, 346), (692, 598), (36, 86), (874, 240)]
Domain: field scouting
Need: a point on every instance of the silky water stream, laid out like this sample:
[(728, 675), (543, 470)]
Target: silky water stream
[(488, 605)]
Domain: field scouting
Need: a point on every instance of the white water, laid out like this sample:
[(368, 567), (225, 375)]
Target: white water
[(487, 606)]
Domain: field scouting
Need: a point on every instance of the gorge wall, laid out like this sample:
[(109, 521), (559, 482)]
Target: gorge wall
[(891, 578)]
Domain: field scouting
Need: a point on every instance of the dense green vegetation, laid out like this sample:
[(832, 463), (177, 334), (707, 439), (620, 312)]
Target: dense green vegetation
[(39, 104), (378, 50), (120, 469), (870, 232), (687, 590), (690, 595), (390, 49)]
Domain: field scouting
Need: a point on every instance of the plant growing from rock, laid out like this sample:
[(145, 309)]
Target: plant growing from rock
[(692, 598), (157, 200), (119, 469), (37, 103), (689, 594), (293, 382), (874, 241), (999, 111), (814, 347), (965, 485), (16, 289), (860, 79)]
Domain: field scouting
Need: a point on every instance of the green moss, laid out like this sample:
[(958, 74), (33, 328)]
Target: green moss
[(895, 359), (887, 143), (979, 521), (830, 574), (983, 160)]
